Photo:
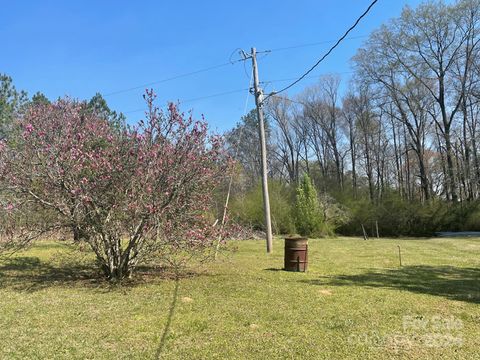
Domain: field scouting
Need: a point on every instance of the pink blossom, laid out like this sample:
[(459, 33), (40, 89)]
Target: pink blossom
[(163, 172)]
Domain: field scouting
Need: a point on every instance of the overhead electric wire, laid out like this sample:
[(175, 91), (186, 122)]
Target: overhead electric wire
[(214, 67), (234, 91), (235, 61), (306, 77), (315, 43), (212, 96), (289, 100), (196, 99), (329, 51), (172, 78)]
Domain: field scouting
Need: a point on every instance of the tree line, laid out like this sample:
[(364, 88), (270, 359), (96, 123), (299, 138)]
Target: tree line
[(400, 134), (395, 145)]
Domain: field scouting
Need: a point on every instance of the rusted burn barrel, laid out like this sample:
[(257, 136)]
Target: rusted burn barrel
[(296, 254)]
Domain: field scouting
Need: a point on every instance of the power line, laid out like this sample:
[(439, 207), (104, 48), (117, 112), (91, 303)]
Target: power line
[(316, 43), (233, 62), (173, 78), (213, 95), (329, 51), (306, 77), (289, 100), (214, 67), (196, 99), (234, 91)]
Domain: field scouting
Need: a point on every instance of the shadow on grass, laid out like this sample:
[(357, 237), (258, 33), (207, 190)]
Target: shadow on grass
[(274, 269), (30, 274), (166, 329), (451, 282)]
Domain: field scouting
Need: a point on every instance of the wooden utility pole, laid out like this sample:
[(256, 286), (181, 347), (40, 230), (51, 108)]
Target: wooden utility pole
[(261, 129)]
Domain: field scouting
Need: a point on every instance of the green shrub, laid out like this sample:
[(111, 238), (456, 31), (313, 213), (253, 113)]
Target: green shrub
[(247, 208), (308, 213), (472, 222), (398, 217)]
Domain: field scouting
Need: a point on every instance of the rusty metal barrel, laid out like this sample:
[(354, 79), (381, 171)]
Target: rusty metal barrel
[(296, 254)]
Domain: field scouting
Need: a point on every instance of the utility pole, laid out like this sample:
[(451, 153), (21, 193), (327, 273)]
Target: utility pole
[(261, 129)]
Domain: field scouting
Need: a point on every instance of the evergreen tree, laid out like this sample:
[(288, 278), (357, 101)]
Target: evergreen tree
[(308, 214), (12, 103), (98, 106), (40, 98)]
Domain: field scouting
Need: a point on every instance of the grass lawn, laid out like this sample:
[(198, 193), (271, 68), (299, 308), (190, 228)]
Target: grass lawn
[(355, 302)]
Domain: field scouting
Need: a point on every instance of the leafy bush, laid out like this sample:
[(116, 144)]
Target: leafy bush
[(308, 213), (334, 214), (398, 217), (472, 222), (247, 208)]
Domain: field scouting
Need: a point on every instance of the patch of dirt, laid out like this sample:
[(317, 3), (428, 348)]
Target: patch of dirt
[(325, 292)]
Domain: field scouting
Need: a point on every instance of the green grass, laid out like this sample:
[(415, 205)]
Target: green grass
[(351, 304)]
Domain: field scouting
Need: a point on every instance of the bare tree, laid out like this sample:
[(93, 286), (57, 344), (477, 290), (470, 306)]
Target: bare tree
[(289, 140), (321, 107)]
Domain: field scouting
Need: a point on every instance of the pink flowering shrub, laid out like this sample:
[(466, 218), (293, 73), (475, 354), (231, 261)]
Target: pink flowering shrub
[(130, 195)]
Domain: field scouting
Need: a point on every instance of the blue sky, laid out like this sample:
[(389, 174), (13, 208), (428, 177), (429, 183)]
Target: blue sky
[(78, 48)]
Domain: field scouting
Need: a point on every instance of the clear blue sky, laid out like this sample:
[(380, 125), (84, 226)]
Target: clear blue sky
[(77, 48)]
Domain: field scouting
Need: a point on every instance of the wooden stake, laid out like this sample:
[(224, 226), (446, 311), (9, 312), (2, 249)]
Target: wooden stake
[(365, 236), (376, 225), (399, 255)]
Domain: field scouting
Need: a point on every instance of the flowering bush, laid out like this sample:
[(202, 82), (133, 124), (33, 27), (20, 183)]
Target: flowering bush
[(128, 194)]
